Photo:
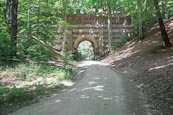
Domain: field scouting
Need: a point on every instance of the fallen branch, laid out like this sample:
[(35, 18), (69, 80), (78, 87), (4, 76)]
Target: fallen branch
[(53, 50)]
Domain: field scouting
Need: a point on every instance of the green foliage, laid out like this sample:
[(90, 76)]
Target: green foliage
[(4, 35), (67, 56), (167, 8), (30, 71), (4, 47), (27, 76), (13, 94), (121, 42), (39, 21), (35, 18), (19, 95), (42, 18), (80, 56), (36, 53)]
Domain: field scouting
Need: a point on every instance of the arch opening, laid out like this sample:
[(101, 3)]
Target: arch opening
[(88, 40), (83, 38), (85, 51)]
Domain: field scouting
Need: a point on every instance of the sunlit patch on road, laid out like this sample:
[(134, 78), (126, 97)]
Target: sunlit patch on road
[(91, 83), (84, 97), (57, 101), (90, 63), (67, 83), (97, 88)]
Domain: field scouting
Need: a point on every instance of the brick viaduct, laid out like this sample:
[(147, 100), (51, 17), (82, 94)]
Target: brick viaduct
[(94, 28)]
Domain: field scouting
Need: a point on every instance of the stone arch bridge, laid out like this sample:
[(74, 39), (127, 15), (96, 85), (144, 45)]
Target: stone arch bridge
[(94, 28)]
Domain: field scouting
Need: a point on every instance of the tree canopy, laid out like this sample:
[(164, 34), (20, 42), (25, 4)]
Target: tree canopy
[(41, 18)]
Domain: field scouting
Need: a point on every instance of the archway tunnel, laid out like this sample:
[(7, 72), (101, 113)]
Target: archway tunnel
[(85, 51), (85, 48)]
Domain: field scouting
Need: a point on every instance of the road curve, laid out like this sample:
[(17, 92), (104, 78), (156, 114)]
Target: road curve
[(98, 91)]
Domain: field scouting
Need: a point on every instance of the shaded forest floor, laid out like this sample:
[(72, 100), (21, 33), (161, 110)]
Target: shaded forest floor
[(150, 67)]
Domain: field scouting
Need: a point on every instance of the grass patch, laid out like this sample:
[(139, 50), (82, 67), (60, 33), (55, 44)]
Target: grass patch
[(13, 94), (24, 82), (121, 42)]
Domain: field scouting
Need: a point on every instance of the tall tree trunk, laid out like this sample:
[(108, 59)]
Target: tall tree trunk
[(109, 25), (8, 14), (14, 27), (141, 22), (65, 30), (141, 30), (165, 37)]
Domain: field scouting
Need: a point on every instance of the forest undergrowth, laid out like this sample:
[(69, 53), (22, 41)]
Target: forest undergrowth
[(25, 83)]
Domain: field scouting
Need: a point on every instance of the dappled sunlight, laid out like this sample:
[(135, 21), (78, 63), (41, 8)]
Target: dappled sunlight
[(151, 42), (64, 90), (160, 67), (135, 47), (131, 43), (36, 81), (91, 97), (170, 59), (50, 81), (92, 83), (67, 83), (97, 78), (107, 98), (126, 52), (90, 63), (115, 98), (96, 88), (80, 72), (84, 96), (72, 90), (58, 101)]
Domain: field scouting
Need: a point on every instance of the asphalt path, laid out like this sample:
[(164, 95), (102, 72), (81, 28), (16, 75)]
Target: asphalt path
[(99, 90)]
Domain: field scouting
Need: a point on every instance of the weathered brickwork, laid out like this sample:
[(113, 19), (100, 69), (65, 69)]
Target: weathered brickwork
[(94, 28)]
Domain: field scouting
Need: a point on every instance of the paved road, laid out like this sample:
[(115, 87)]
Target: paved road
[(98, 91)]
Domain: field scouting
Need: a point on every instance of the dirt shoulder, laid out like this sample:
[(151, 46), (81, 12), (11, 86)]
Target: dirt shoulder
[(153, 76), (150, 67)]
